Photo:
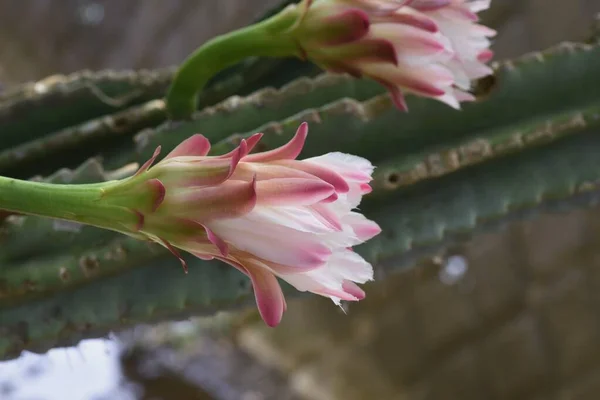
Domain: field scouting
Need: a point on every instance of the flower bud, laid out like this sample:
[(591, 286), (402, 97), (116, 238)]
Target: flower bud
[(266, 214), (431, 48)]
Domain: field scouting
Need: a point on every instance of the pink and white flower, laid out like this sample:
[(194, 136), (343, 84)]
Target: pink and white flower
[(431, 48), (267, 214)]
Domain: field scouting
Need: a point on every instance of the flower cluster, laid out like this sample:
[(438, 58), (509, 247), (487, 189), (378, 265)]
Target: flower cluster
[(267, 214), (432, 48)]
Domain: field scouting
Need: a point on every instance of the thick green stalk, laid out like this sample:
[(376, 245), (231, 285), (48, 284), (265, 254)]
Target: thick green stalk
[(262, 39), (78, 203)]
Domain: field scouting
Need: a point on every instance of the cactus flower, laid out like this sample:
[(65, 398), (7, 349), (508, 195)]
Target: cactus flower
[(432, 48), (267, 214)]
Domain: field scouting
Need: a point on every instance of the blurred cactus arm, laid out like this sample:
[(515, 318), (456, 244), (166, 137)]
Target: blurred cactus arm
[(527, 145), (429, 192)]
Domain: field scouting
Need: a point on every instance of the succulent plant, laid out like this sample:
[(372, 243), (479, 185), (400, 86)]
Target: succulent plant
[(528, 144)]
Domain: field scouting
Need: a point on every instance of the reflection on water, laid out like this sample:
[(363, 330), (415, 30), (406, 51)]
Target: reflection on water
[(90, 371)]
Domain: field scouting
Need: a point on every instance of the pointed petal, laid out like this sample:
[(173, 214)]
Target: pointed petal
[(246, 171), (288, 151), (196, 145), (210, 171), (349, 166), (292, 191), (363, 228), (395, 94), (267, 291), (242, 149), (148, 163), (328, 175), (252, 141), (331, 199), (269, 296), (175, 252)]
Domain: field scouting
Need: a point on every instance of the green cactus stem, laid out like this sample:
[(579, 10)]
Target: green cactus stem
[(83, 203)]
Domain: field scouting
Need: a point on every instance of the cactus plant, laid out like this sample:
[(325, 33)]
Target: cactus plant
[(527, 145)]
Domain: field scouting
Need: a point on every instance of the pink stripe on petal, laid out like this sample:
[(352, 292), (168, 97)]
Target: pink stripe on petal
[(159, 192), (292, 191), (140, 220), (353, 24), (217, 241), (288, 151), (246, 171), (328, 292), (365, 188), (228, 200), (417, 20), (378, 7), (422, 87), (485, 56), (327, 216), (186, 172), (148, 163), (429, 5), (339, 183), (236, 157), (353, 289), (367, 230), (278, 269), (196, 145), (363, 227), (331, 199)]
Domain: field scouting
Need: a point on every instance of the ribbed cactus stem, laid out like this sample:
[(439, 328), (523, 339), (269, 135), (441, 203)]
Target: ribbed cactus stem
[(81, 203), (261, 39)]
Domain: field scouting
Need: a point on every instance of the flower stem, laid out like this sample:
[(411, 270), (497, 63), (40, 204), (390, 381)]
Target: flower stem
[(79, 203), (266, 38)]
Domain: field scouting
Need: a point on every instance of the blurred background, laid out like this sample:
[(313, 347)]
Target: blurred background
[(508, 315)]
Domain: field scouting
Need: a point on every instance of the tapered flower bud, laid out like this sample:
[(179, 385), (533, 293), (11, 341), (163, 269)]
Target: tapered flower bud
[(267, 214), (431, 48)]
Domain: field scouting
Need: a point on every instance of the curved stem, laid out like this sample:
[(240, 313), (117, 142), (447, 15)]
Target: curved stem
[(266, 38)]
